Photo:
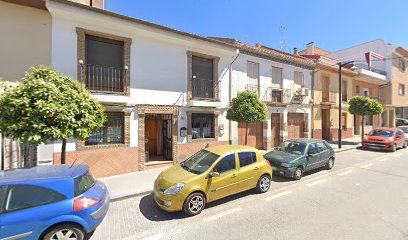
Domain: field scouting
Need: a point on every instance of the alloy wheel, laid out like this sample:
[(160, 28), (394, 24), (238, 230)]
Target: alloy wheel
[(64, 234), (264, 184), (298, 173), (196, 204)]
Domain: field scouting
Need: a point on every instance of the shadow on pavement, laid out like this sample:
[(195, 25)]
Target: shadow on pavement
[(373, 150), (346, 143), (152, 212)]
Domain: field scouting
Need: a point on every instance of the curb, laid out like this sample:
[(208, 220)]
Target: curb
[(117, 199), (346, 149)]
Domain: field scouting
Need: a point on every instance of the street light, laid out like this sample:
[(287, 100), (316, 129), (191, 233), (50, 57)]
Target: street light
[(341, 99)]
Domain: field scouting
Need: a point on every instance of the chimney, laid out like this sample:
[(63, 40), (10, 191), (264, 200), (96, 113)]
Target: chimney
[(310, 48), (93, 3), (295, 52)]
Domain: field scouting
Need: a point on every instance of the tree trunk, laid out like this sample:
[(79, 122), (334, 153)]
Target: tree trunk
[(63, 150), (362, 129), (246, 133)]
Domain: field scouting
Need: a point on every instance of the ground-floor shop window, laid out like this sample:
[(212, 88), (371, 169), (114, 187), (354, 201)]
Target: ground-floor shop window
[(202, 125), (111, 133)]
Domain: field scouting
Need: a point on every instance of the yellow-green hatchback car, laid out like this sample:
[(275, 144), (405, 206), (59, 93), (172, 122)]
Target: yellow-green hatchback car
[(210, 174)]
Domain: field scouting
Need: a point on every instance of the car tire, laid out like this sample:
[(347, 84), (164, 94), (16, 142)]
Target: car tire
[(404, 145), (264, 183), (194, 204), (394, 148), (68, 231), (298, 174), (330, 164)]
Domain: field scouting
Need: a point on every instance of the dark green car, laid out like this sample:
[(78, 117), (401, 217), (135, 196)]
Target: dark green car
[(292, 158)]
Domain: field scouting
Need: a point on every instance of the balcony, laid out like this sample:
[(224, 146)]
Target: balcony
[(278, 96), (329, 98), (203, 89), (103, 79), (253, 88)]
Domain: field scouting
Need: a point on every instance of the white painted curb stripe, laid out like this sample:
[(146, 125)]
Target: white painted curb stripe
[(278, 195), (367, 165), (227, 212), (345, 173), (316, 182)]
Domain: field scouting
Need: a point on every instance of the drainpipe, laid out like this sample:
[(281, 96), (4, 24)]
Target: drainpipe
[(230, 94)]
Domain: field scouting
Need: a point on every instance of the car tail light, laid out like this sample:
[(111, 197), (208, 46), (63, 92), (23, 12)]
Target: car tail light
[(269, 163), (84, 203)]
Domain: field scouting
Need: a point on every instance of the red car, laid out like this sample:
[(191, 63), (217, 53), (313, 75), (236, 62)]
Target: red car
[(385, 139)]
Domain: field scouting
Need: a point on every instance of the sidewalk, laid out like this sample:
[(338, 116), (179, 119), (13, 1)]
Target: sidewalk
[(141, 183)]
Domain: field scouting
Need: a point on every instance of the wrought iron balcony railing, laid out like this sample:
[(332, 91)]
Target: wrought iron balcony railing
[(278, 95), (103, 79), (253, 88), (203, 88)]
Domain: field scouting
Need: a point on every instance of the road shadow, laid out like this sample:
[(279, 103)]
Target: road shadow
[(360, 148), (345, 143), (152, 212)]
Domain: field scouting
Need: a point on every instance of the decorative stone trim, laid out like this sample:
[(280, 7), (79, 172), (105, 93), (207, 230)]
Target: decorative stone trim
[(80, 144), (81, 45), (142, 110), (189, 129), (215, 59)]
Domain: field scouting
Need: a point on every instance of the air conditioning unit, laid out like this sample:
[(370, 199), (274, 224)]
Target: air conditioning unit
[(304, 91)]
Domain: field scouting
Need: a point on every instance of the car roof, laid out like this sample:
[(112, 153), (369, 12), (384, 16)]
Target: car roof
[(385, 128), (306, 140), (224, 149), (42, 173)]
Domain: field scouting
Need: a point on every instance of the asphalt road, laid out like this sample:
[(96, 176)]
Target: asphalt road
[(365, 196)]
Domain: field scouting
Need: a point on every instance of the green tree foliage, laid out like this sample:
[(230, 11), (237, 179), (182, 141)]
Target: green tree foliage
[(364, 106), (247, 108), (49, 106)]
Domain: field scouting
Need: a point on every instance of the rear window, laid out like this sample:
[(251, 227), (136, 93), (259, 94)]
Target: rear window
[(83, 183), (246, 158)]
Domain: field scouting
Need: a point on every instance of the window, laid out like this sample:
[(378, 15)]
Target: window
[(277, 77), (104, 70), (312, 149), (226, 164), (358, 89), (28, 196), (203, 77), (200, 162), (83, 183), (252, 77), (344, 91), (368, 120), (246, 158), (366, 92), (111, 133), (401, 89), (401, 65), (3, 191), (321, 146), (298, 80), (202, 125), (344, 121)]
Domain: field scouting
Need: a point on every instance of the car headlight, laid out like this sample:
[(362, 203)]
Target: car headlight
[(174, 189), (287, 165), (389, 140)]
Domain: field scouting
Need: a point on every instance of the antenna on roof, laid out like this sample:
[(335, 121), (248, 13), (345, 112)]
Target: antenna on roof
[(73, 163), (282, 41)]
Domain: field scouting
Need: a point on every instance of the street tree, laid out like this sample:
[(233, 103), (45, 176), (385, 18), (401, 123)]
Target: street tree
[(364, 106), (48, 106), (246, 108)]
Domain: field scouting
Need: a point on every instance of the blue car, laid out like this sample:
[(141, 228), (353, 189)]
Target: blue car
[(51, 202)]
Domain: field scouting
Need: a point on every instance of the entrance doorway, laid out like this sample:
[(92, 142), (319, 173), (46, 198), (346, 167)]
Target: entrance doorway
[(255, 134), (326, 124), (275, 129), (158, 140), (295, 125)]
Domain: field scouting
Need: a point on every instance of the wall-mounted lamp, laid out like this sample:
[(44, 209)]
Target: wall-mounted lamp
[(81, 61), (126, 67)]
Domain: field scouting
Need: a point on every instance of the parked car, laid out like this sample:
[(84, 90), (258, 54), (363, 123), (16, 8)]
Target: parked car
[(385, 139), (51, 202), (401, 121), (293, 158), (210, 174), (404, 128)]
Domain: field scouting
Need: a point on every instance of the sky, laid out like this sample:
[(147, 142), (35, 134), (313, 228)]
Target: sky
[(332, 25)]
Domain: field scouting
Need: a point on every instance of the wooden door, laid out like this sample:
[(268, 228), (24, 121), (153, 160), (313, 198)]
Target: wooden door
[(255, 134), (325, 89), (326, 124), (295, 125), (275, 129), (151, 136)]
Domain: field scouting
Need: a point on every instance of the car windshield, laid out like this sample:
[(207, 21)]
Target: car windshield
[(292, 147), (404, 129), (200, 162), (381, 133)]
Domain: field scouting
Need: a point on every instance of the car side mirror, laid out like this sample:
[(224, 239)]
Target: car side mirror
[(215, 174)]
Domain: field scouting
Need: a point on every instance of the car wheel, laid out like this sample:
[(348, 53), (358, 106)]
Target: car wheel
[(298, 173), (65, 231), (404, 145), (264, 183), (330, 164), (194, 204), (394, 148)]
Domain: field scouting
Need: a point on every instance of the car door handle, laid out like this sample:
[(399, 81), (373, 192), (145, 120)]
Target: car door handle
[(234, 175), (256, 168)]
